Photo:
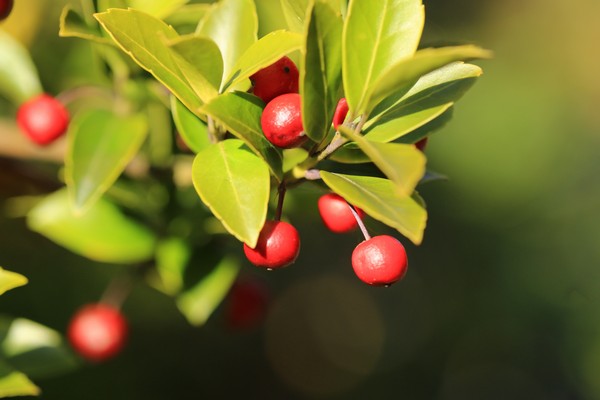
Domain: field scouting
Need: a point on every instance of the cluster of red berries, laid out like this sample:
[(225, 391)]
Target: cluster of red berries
[(378, 261)]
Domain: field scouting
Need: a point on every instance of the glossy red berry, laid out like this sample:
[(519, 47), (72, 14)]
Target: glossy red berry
[(341, 110), (281, 121), (97, 332), (336, 213), (278, 246), (380, 261), (43, 119), (5, 8), (276, 79), (246, 304), (421, 144)]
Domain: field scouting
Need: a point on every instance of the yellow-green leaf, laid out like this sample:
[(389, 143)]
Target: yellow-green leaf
[(10, 280)]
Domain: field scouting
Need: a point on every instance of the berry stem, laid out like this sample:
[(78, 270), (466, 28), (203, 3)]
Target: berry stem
[(360, 222), (117, 291), (281, 197)]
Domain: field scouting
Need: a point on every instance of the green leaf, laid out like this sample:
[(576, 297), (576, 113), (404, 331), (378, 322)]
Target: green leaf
[(34, 349), (263, 53), (14, 383), (294, 12), (198, 303), (192, 129), (234, 183), (404, 164), (423, 62), (172, 257), (142, 37), (10, 280), (240, 113), (103, 233), (101, 144), (157, 8), (73, 25), (233, 25), (200, 62), (293, 157), (159, 146), (187, 17), (19, 80), (320, 73), (378, 198), (377, 34)]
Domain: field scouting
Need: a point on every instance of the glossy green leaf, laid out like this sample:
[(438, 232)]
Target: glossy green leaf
[(423, 62), (379, 199), (192, 129), (198, 303), (157, 8), (200, 61), (233, 25), (402, 163), (240, 113), (73, 25), (19, 80), (235, 184), (10, 280), (293, 157), (320, 72), (14, 383), (142, 37), (34, 349), (103, 233), (377, 34), (101, 144), (428, 128), (263, 53)]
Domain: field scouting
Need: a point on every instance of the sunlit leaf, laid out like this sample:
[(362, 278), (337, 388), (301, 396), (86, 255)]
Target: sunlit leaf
[(157, 8), (101, 144), (103, 233), (186, 18), (320, 72), (234, 183), (379, 199), (240, 113), (10, 280), (192, 129), (377, 34), (143, 38), (172, 257), (19, 80), (294, 12), (15, 383), (73, 25)]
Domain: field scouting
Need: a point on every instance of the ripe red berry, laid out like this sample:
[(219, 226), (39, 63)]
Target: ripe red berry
[(97, 332), (276, 79), (43, 119), (5, 8), (336, 213), (278, 246), (281, 121), (380, 261), (421, 144), (246, 304), (341, 110)]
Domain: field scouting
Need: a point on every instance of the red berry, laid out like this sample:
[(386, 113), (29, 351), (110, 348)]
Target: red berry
[(341, 110), (421, 144), (276, 79), (97, 332), (336, 213), (278, 246), (380, 261), (43, 119), (281, 121), (5, 8), (246, 304)]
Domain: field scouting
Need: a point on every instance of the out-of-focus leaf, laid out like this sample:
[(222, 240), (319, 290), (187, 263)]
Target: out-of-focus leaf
[(34, 349), (143, 38), (101, 144), (157, 8), (19, 80), (378, 198), (240, 113), (192, 129), (320, 72), (377, 34), (73, 25), (172, 256), (14, 383), (103, 233), (234, 183), (294, 12), (233, 25), (10, 280), (186, 18), (293, 157), (198, 303)]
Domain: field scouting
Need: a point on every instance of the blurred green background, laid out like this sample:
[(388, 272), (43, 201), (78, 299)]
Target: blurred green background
[(502, 300)]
